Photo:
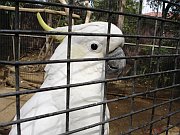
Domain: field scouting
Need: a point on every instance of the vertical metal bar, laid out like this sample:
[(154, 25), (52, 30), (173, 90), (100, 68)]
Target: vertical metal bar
[(135, 69), (140, 7), (158, 69), (68, 65), (154, 40), (132, 99), (17, 66), (154, 95), (106, 66), (171, 91)]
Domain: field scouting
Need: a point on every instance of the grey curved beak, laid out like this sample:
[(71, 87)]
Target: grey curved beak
[(116, 66)]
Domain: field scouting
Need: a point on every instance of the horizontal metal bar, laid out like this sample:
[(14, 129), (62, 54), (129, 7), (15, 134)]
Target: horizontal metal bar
[(2, 62), (110, 120), (92, 105), (97, 10), (134, 95), (84, 107), (48, 115), (152, 122), (21, 63), (82, 34), (21, 35), (85, 83), (170, 127)]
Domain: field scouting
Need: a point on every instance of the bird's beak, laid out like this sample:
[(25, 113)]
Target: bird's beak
[(118, 64), (48, 28)]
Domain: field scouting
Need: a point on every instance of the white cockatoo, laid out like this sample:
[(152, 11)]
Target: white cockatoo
[(56, 75)]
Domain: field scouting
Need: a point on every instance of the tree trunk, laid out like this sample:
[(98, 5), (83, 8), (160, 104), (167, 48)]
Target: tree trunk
[(122, 4)]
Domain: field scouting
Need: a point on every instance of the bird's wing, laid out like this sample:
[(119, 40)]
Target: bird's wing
[(36, 127)]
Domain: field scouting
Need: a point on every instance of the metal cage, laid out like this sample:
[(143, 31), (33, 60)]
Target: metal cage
[(152, 109)]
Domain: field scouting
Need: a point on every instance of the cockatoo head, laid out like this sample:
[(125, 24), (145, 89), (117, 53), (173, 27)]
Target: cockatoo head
[(90, 46)]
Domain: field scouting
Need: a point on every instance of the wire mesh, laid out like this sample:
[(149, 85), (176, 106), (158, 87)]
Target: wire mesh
[(144, 99)]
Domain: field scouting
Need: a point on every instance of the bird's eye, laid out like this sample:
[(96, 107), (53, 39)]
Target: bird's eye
[(94, 46)]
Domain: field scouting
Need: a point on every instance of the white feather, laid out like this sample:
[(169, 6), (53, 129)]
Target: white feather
[(56, 75)]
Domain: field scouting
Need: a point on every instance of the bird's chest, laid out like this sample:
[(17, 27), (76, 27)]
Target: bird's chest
[(85, 74), (86, 71), (81, 73)]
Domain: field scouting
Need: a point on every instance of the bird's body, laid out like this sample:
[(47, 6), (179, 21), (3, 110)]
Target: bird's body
[(53, 101), (80, 72)]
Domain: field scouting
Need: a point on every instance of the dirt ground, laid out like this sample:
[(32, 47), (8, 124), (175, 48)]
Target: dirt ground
[(122, 107)]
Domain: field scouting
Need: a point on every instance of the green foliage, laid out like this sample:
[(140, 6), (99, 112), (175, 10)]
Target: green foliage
[(103, 4), (131, 6), (130, 23)]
